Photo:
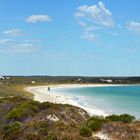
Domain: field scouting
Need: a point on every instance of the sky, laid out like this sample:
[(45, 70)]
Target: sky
[(70, 37)]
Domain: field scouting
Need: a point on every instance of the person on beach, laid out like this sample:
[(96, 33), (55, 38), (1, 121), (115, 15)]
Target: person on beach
[(49, 89)]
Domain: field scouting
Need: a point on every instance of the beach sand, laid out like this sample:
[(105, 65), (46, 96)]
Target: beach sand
[(42, 94)]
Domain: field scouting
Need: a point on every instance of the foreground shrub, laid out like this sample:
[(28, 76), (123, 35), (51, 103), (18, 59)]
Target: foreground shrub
[(94, 126), (43, 131), (113, 118), (125, 118), (16, 114), (45, 105), (43, 128), (95, 123), (51, 136), (11, 130), (23, 110), (85, 132)]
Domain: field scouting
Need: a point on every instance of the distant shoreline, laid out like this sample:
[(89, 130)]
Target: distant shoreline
[(42, 94)]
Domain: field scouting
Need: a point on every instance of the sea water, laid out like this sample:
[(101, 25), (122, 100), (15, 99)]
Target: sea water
[(110, 99)]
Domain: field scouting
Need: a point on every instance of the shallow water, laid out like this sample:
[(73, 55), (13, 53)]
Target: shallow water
[(111, 99)]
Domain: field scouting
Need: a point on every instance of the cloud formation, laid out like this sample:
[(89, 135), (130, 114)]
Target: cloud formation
[(134, 27), (23, 47), (13, 32), (93, 17), (97, 14), (38, 18), (12, 46), (89, 36), (6, 41)]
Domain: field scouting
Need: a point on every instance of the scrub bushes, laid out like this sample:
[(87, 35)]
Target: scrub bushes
[(85, 132), (125, 118)]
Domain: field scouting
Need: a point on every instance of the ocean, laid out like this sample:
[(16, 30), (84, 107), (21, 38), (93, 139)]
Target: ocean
[(110, 99)]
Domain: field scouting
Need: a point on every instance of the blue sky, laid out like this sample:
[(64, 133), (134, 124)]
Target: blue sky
[(70, 37)]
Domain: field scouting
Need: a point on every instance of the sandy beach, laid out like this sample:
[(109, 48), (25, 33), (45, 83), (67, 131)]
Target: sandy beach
[(42, 94)]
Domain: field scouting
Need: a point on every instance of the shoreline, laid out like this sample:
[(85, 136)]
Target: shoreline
[(42, 94)]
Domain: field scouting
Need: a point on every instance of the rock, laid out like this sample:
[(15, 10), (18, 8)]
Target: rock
[(52, 118)]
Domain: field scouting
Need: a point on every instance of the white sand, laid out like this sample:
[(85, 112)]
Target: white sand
[(42, 94)]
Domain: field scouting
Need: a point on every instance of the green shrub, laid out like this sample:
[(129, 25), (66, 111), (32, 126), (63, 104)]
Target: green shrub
[(113, 117), (11, 129), (94, 126), (125, 118), (85, 132), (45, 105), (16, 114), (23, 110), (43, 128), (32, 105), (43, 131), (95, 123), (16, 126), (51, 136), (43, 124), (6, 129)]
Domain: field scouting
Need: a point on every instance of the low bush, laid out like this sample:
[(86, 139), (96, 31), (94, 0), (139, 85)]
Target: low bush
[(45, 105), (20, 112), (16, 114), (85, 132), (43, 124), (94, 126), (43, 128), (113, 118), (125, 118), (95, 123), (43, 131), (51, 136), (11, 130)]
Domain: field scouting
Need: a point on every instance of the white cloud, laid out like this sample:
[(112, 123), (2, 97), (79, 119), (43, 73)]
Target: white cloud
[(33, 40), (92, 28), (6, 41), (38, 18), (89, 36), (12, 46), (134, 27), (114, 33), (97, 14), (13, 32), (93, 17), (26, 48)]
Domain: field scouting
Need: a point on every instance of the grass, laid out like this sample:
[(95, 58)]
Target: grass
[(9, 90)]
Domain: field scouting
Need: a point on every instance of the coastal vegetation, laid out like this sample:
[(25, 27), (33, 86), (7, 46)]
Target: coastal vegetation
[(97, 123), (125, 118), (22, 118), (45, 80)]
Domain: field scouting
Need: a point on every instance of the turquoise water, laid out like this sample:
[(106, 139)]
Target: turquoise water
[(113, 100)]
